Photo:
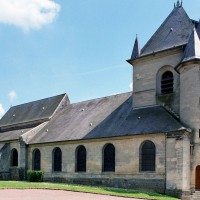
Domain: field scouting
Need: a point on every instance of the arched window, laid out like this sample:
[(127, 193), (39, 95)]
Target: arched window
[(36, 159), (81, 159), (57, 160), (147, 156), (14, 158), (109, 158), (167, 83)]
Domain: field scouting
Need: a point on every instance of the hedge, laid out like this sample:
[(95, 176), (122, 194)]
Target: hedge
[(35, 176)]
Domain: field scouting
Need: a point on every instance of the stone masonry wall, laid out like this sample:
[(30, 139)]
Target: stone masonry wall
[(145, 71), (4, 161), (127, 173)]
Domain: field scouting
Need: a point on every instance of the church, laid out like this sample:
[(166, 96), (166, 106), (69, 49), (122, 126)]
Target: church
[(147, 139)]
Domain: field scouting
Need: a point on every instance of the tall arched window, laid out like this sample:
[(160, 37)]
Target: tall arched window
[(147, 156), (14, 158), (167, 83), (57, 160), (109, 158), (36, 159), (81, 159)]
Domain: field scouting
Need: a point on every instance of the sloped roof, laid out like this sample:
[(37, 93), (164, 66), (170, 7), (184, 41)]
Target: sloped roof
[(30, 112), (192, 50), (13, 134), (78, 119), (174, 31), (103, 118)]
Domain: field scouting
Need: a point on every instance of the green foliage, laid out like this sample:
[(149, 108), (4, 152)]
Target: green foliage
[(35, 176)]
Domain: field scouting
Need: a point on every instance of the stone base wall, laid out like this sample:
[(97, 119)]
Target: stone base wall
[(17, 174), (5, 176), (155, 185), (14, 173), (186, 195), (174, 192)]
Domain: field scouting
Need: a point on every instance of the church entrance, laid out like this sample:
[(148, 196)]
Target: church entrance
[(197, 178)]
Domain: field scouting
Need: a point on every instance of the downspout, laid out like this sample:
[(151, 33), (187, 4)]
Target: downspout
[(165, 163)]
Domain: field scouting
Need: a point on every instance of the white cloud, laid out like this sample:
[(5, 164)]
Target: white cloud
[(2, 111), (131, 86), (28, 14), (12, 95)]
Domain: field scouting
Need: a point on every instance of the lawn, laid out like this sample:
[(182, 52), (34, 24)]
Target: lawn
[(81, 188)]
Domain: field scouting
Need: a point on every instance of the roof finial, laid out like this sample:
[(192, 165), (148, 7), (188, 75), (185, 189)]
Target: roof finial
[(178, 4)]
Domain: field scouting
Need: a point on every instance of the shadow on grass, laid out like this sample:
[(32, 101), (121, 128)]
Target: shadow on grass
[(136, 193)]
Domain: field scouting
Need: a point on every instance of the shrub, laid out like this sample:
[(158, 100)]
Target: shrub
[(35, 176)]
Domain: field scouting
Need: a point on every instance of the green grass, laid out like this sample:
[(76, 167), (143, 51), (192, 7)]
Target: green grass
[(81, 188)]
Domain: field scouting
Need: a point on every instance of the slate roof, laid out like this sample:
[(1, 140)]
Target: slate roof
[(13, 134), (174, 31), (192, 50), (30, 112), (103, 118)]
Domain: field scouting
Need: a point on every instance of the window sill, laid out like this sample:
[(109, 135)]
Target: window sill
[(56, 172), (147, 172), (108, 173), (80, 172), (163, 95)]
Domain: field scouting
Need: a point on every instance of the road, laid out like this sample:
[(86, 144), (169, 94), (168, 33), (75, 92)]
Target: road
[(38, 194)]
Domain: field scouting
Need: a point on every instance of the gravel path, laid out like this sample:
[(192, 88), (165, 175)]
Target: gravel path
[(33, 194)]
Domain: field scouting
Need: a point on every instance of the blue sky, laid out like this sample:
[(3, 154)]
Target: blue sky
[(77, 47)]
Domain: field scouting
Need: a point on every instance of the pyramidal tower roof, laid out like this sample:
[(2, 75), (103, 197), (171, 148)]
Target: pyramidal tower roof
[(174, 31), (198, 29), (192, 50), (136, 49)]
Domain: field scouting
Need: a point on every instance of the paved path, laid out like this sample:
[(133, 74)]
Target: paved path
[(7, 194)]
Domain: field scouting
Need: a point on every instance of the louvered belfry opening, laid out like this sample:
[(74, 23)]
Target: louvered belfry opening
[(57, 160), (81, 159), (148, 156), (14, 158), (167, 83), (36, 159), (109, 158)]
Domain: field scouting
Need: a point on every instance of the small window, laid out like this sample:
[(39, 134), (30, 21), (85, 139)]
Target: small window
[(167, 83), (81, 159), (14, 158), (147, 156), (36, 159), (57, 160), (109, 158)]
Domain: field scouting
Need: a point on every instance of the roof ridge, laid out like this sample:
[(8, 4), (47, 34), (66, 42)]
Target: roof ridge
[(153, 37), (158, 30), (39, 100), (101, 98)]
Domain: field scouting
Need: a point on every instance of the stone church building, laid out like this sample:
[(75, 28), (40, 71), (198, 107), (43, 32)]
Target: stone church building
[(148, 139)]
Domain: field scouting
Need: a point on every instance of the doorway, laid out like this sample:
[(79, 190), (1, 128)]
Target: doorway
[(197, 182)]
